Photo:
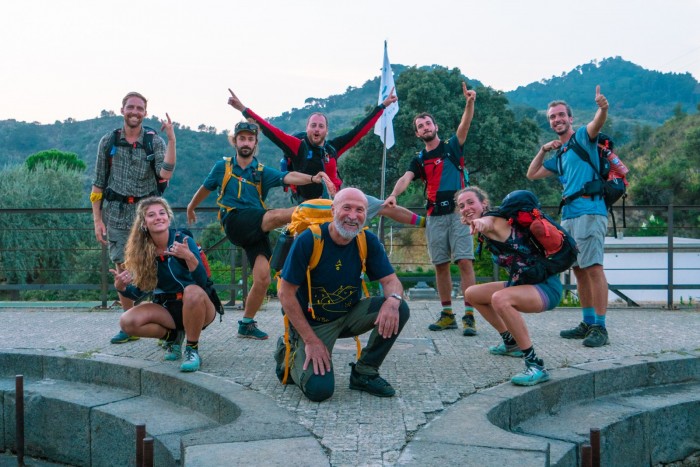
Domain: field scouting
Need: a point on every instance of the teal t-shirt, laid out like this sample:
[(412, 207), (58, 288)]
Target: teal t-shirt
[(575, 172)]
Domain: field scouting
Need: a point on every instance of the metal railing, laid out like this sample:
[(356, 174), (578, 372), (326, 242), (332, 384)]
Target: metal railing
[(56, 250)]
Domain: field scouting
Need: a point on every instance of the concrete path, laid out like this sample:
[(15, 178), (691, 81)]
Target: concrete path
[(431, 371)]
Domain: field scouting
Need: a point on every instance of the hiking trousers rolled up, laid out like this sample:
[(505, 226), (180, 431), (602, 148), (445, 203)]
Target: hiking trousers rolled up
[(357, 321)]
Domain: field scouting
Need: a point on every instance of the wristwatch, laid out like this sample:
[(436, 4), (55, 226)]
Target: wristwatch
[(396, 296)]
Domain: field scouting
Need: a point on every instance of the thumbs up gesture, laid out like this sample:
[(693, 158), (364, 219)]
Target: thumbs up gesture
[(600, 99)]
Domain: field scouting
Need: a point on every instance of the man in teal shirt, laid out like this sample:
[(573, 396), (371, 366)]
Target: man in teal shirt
[(244, 217)]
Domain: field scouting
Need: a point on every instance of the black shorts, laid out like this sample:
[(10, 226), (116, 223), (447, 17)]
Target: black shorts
[(174, 307), (244, 228)]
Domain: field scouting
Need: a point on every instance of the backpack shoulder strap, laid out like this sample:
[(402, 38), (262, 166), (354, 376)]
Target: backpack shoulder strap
[(148, 135), (582, 153), (362, 247), (318, 246)]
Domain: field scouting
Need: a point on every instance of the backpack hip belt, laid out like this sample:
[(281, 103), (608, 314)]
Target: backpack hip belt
[(164, 297), (111, 195)]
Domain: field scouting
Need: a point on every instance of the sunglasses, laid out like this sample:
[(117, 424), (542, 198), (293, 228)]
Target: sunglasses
[(245, 126)]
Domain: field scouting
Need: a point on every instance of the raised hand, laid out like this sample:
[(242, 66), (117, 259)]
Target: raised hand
[(600, 99), (235, 102), (167, 126), (391, 98), (469, 94)]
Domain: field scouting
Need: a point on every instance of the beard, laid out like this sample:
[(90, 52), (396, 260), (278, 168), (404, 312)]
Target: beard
[(347, 234), (245, 151), (429, 137)]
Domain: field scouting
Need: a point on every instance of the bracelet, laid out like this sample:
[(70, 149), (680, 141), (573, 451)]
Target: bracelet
[(168, 167), (312, 179), (94, 197)]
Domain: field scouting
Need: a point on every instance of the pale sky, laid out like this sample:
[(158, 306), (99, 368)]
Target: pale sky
[(73, 58)]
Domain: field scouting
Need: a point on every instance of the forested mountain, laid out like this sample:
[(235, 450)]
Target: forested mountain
[(637, 96), (504, 133)]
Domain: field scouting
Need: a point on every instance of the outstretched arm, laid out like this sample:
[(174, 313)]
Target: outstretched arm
[(282, 140), (196, 200), (300, 178), (467, 115), (594, 127), (400, 186)]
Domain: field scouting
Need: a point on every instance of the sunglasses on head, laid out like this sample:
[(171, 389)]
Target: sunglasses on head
[(245, 126)]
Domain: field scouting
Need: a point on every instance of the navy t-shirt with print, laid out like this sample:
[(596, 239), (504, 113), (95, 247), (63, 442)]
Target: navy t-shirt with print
[(336, 285)]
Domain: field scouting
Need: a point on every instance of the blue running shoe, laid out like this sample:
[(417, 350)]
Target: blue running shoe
[(121, 338), (507, 350), (533, 374), (192, 360)]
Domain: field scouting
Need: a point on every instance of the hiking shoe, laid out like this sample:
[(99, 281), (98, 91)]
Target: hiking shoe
[(579, 332), (173, 348), (375, 385), (506, 350), (533, 374), (192, 360), (121, 338), (597, 336), (446, 321), (469, 325), (250, 331)]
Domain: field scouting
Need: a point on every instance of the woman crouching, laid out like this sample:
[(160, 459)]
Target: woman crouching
[(501, 303), (164, 261)]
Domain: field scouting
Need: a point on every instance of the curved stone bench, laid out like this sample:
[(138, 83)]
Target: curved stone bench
[(82, 409), (647, 408)]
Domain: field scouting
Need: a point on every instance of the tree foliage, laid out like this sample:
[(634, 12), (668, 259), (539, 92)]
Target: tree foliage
[(664, 164), (40, 247), (52, 158), (498, 149)]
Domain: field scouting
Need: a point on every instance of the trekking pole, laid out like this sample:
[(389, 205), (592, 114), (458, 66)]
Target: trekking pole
[(19, 418), (585, 455), (595, 447), (140, 435), (147, 452)]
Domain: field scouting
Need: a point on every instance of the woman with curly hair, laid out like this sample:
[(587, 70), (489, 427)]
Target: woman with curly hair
[(501, 303), (163, 260)]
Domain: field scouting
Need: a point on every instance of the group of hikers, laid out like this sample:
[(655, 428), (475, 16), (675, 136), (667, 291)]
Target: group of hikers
[(321, 286)]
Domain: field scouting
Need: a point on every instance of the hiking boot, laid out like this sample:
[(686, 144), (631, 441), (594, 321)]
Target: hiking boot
[(597, 336), (121, 338), (250, 331), (446, 321), (579, 332), (469, 325), (533, 374), (173, 348), (192, 360), (375, 385), (506, 350)]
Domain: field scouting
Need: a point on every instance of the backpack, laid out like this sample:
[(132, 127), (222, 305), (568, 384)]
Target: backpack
[(228, 174), (209, 288), (610, 179), (310, 215), (444, 202), (116, 140), (287, 164), (555, 247)]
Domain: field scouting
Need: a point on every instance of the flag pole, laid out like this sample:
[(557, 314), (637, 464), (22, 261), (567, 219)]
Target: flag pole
[(382, 189)]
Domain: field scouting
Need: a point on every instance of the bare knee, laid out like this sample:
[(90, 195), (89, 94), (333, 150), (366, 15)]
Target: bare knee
[(500, 301)]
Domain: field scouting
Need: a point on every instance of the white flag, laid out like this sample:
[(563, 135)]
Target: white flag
[(385, 87)]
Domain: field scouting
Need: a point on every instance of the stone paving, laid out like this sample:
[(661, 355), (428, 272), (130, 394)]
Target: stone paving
[(429, 370)]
